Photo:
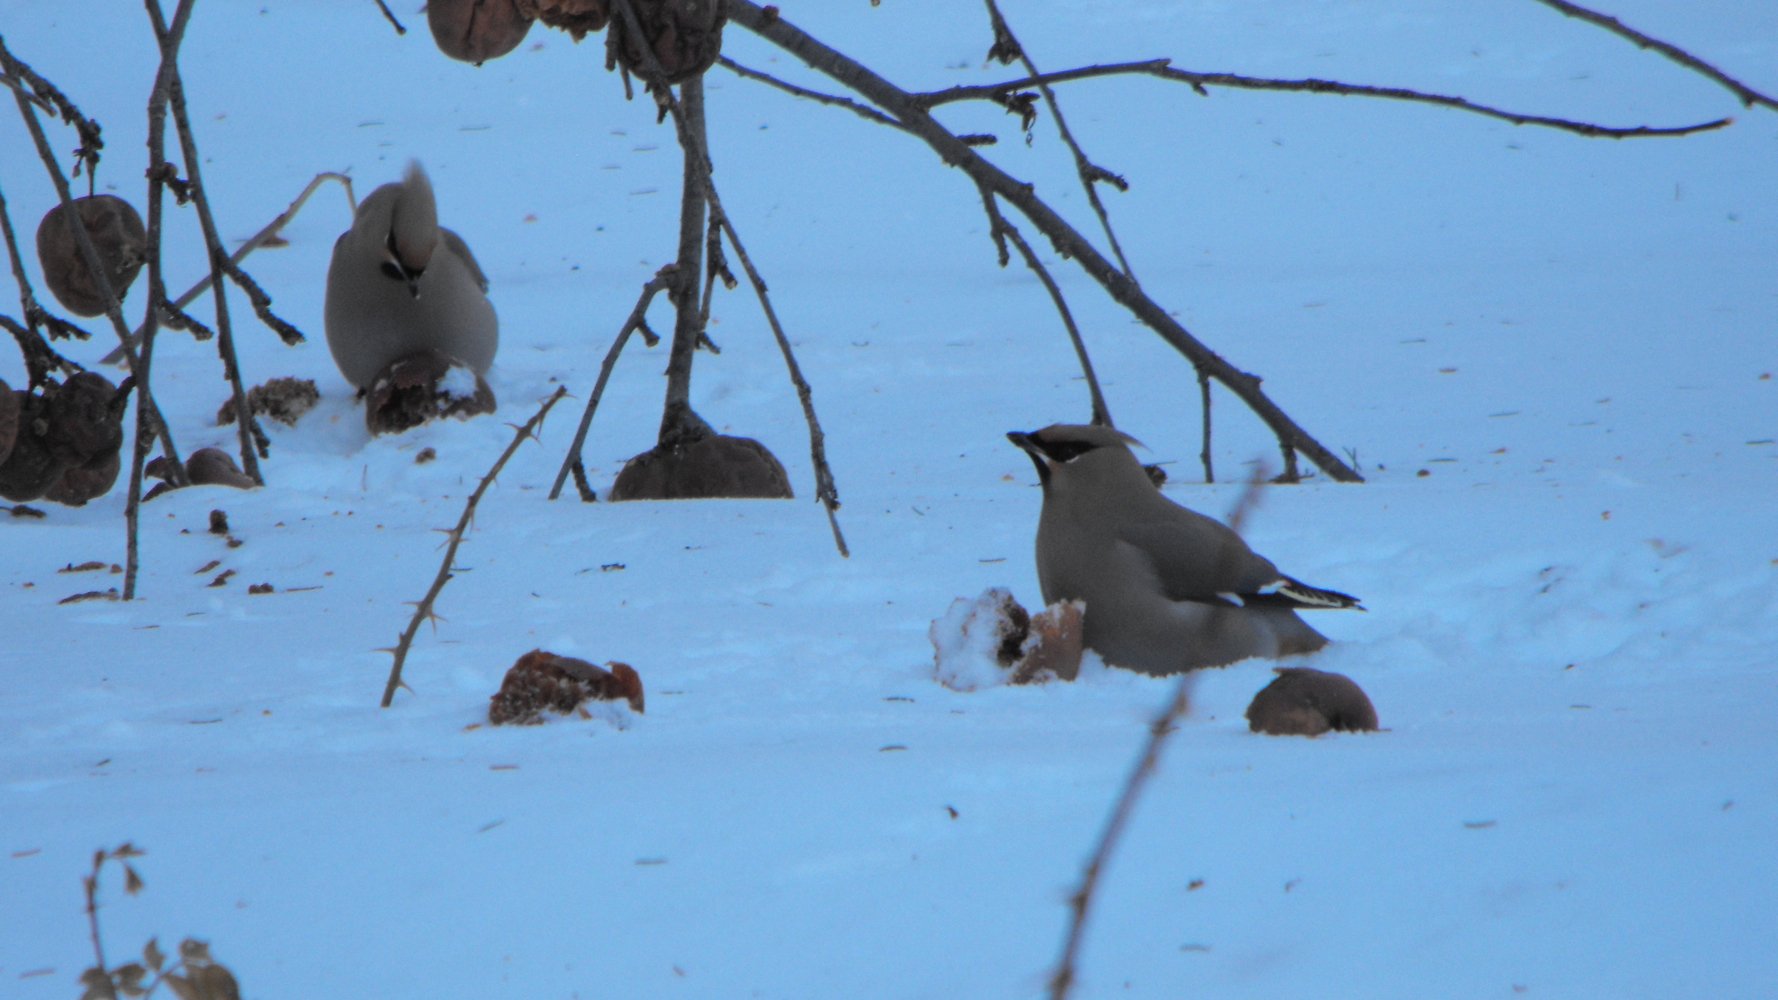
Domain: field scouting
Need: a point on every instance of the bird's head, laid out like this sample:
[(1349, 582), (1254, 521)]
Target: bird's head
[(1059, 445)]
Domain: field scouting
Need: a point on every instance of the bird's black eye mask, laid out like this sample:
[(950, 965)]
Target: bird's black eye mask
[(1063, 451)]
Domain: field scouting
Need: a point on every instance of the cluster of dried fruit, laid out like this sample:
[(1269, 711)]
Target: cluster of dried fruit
[(544, 682), (684, 35), (61, 443)]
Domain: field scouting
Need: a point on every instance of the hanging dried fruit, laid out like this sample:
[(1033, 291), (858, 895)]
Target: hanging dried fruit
[(117, 234), (577, 17), (686, 36), (475, 31)]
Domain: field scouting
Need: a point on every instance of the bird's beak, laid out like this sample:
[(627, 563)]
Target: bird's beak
[(1025, 444)]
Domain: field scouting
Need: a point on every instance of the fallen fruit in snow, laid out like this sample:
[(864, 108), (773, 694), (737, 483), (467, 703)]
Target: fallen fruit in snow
[(1307, 702), (424, 386), (474, 31), (543, 682), (992, 640), (218, 522), (718, 466), (118, 236), (215, 467), (282, 399)]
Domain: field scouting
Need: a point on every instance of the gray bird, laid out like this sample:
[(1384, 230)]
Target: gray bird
[(1166, 589), (391, 292)]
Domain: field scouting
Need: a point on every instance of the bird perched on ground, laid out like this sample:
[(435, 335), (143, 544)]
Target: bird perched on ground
[(400, 283), (1166, 589)]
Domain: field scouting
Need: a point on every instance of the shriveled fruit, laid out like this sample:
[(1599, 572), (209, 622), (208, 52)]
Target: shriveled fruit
[(475, 31), (118, 236)]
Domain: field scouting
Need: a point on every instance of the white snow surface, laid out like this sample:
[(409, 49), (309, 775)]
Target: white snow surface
[(1572, 615)]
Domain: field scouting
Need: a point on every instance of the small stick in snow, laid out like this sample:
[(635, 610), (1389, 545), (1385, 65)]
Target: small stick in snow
[(1062, 981), (423, 610)]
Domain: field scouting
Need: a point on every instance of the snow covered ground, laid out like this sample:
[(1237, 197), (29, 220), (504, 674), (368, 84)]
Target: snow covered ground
[(1572, 613)]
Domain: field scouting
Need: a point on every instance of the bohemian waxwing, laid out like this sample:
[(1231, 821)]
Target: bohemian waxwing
[(390, 293), (1166, 589)]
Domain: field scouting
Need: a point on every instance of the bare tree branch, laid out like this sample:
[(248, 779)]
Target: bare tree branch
[(1062, 236), (839, 102), (1204, 399), (1749, 97), (1101, 414), (997, 92), (258, 240), (1090, 173), (423, 610), (638, 321), (825, 490), (399, 30)]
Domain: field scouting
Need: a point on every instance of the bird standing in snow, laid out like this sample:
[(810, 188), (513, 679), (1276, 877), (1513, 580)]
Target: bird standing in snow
[(400, 284), (1166, 589)]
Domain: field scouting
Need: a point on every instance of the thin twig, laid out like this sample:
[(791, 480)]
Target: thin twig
[(997, 92), (814, 95), (1101, 414), (1090, 173), (1749, 97), (40, 358), (423, 610), (1081, 902), (262, 303), (246, 425), (48, 96), (1204, 399), (399, 30), (258, 240), (824, 485), (638, 322), (1067, 241)]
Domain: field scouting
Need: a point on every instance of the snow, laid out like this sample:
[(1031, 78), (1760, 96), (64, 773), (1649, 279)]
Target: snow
[(1572, 615)]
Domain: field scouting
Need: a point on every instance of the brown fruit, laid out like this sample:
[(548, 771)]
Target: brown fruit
[(1306, 702), (85, 418), (686, 36), (9, 420), (543, 682), (32, 467), (215, 467), (475, 31), (716, 467), (417, 388), (576, 17), (117, 235), (1053, 646), (81, 483)]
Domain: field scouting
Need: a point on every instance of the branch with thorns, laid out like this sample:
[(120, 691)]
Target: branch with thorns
[(423, 608)]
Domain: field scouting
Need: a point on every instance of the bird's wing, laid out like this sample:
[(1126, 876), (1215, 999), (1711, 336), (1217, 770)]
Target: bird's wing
[(460, 249), (1199, 559), (1202, 560)]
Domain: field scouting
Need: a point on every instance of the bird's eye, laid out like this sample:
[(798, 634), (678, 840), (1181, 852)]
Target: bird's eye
[(391, 271)]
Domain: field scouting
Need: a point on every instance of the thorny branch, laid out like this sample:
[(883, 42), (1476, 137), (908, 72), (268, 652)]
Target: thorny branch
[(1749, 97), (46, 96), (1067, 241), (637, 323), (997, 93), (1006, 48), (423, 610)]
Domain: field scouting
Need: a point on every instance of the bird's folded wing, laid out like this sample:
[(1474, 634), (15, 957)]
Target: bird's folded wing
[(1200, 560), (460, 249)]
